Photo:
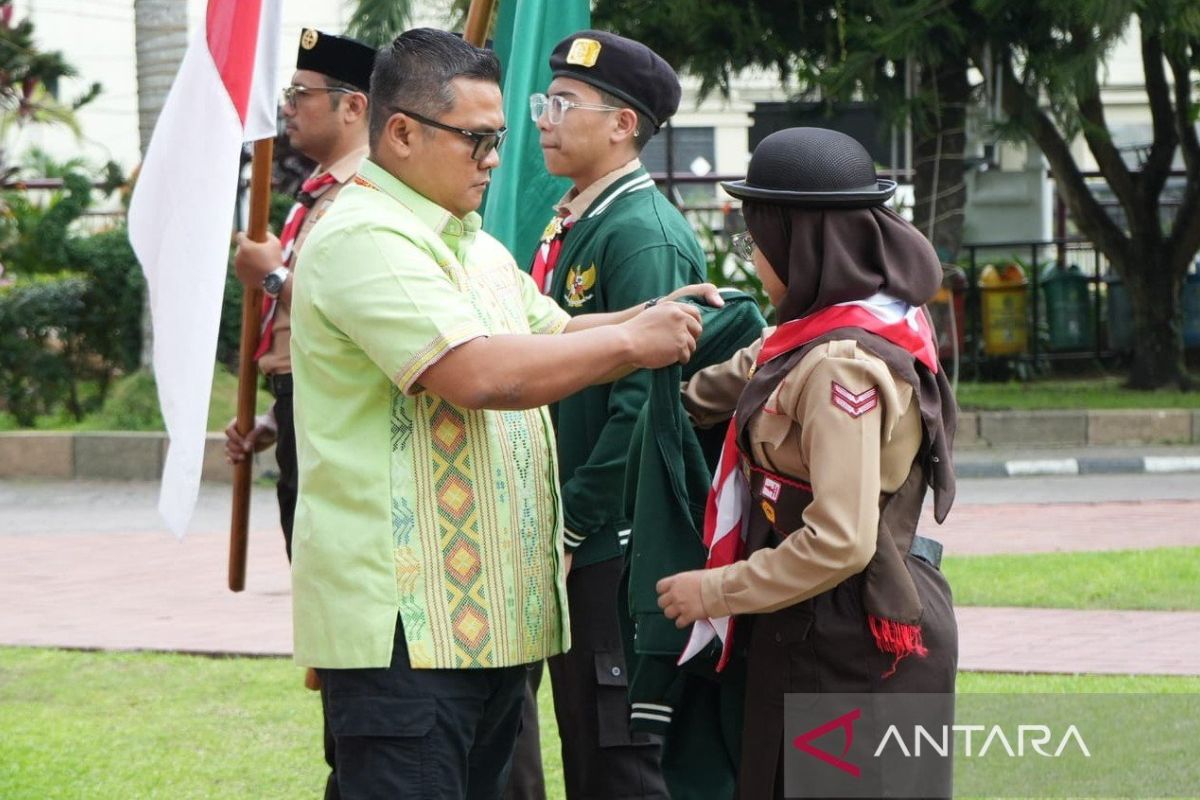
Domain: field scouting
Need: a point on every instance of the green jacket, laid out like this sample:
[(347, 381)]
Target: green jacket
[(630, 245), (670, 471)]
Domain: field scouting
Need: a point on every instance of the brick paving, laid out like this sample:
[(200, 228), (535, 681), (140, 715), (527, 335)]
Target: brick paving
[(83, 567)]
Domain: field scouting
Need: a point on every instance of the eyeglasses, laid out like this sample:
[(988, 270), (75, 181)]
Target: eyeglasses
[(291, 92), (556, 106), (743, 245), (485, 141)]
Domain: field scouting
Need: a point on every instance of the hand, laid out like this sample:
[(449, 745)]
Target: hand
[(707, 291), (680, 599), (664, 334), (567, 559), (253, 261), (260, 437)]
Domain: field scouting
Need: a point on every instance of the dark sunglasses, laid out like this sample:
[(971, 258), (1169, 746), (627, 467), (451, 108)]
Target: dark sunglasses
[(485, 141)]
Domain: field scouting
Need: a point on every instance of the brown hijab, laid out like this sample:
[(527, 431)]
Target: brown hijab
[(826, 256)]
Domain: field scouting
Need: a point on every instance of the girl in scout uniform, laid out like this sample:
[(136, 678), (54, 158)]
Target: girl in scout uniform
[(842, 418)]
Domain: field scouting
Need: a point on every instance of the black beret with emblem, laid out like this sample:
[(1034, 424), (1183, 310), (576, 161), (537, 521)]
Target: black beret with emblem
[(338, 57), (622, 67)]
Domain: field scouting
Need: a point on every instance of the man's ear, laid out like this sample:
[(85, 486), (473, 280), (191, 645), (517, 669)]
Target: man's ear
[(354, 106), (399, 133), (627, 123)]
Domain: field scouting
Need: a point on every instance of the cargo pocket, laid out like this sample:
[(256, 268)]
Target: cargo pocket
[(393, 729), (612, 700)]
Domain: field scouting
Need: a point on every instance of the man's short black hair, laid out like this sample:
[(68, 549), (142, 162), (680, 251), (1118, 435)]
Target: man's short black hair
[(415, 71), (645, 126), (335, 98)]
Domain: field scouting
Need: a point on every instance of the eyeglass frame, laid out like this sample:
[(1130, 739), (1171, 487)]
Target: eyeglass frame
[(477, 138), (290, 92), (548, 101), (742, 245)]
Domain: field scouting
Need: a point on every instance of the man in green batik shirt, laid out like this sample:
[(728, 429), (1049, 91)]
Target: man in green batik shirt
[(428, 567)]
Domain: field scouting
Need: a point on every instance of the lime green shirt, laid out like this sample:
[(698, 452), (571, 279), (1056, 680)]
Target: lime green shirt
[(407, 502)]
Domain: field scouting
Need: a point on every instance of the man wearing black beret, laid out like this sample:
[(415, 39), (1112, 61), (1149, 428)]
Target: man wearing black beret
[(614, 241), (325, 114)]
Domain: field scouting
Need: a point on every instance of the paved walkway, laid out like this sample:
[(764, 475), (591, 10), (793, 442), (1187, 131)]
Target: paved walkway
[(77, 578)]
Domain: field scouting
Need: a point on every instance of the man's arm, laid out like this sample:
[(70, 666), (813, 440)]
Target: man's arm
[(710, 293), (515, 372), (253, 261)]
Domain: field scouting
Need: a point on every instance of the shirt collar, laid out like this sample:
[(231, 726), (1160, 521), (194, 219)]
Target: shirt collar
[(343, 169), (574, 203), (455, 232)]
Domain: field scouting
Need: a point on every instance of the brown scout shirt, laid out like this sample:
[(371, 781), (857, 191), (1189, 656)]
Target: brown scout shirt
[(278, 359), (848, 460)]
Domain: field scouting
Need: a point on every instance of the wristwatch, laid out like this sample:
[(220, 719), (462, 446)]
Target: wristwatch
[(273, 283)]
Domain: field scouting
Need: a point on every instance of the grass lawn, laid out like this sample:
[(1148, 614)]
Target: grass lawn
[(1077, 393), (132, 405), (1163, 579), (119, 725)]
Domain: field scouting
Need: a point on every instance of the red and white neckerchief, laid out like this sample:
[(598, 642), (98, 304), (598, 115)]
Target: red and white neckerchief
[(545, 258), (310, 191), (728, 506)]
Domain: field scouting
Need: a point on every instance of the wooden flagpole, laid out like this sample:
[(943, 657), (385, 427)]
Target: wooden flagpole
[(260, 204), (479, 16)]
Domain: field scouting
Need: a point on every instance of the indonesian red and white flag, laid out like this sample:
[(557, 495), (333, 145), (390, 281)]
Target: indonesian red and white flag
[(182, 213)]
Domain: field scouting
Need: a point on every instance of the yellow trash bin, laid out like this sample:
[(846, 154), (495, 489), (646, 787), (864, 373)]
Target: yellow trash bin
[(1003, 291)]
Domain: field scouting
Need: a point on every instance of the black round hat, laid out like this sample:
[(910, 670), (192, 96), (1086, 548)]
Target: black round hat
[(814, 167), (622, 67)]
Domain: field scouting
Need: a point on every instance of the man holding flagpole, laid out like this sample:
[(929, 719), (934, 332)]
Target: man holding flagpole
[(325, 113), (428, 567)]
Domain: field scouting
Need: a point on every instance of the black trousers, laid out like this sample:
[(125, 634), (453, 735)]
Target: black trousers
[(602, 760), (285, 455), (285, 491), (423, 734)]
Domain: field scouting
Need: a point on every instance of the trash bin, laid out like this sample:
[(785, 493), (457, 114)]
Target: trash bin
[(949, 311), (1191, 310), (1004, 297), (1068, 308), (1118, 313)]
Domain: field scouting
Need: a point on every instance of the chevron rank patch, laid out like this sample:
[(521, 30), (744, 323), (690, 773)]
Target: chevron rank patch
[(854, 404)]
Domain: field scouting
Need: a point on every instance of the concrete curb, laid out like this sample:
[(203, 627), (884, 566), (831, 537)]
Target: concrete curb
[(139, 456), (1117, 465), (109, 455)]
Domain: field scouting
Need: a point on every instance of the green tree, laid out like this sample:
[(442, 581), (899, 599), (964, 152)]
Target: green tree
[(29, 80), (1050, 55), (911, 56), (377, 22)]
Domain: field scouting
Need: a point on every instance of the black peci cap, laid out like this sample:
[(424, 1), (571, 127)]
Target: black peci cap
[(622, 67), (338, 57)]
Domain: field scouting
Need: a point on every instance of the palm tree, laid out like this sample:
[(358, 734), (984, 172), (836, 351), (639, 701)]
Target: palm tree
[(377, 22), (160, 34)]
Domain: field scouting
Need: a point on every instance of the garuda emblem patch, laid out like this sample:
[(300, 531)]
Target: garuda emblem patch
[(579, 281)]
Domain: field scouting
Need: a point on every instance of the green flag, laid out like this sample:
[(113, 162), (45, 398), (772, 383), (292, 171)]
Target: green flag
[(522, 195)]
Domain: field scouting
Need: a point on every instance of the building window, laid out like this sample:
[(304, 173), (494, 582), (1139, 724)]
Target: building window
[(694, 155)]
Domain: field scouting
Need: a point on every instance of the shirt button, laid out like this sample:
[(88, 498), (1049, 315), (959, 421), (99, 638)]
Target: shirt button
[(616, 672), (935, 459)]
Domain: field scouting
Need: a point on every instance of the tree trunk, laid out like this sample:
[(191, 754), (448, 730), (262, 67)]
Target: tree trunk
[(1155, 292), (939, 144), (160, 31)]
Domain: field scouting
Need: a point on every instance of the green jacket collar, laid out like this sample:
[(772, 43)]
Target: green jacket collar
[(457, 233), (636, 181)]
